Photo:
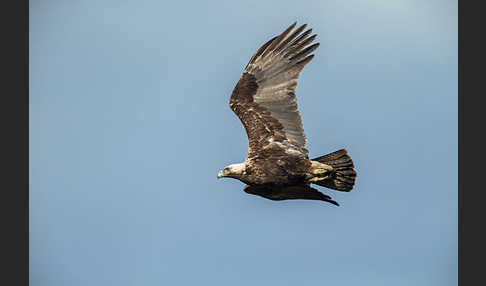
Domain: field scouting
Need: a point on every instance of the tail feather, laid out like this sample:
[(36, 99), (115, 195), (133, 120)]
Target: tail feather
[(343, 176)]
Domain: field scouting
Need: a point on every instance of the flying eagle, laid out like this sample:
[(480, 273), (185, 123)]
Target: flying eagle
[(277, 166)]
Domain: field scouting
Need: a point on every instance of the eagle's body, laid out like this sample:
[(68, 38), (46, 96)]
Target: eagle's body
[(277, 166)]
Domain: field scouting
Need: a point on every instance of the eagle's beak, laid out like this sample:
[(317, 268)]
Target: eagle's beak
[(220, 174)]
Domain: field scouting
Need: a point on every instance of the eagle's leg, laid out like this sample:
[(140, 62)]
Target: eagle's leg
[(320, 169), (317, 179), (319, 172)]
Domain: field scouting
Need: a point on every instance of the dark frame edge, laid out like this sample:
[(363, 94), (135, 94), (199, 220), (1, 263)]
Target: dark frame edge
[(15, 139)]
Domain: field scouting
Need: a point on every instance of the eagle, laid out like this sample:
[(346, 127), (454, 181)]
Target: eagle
[(277, 166)]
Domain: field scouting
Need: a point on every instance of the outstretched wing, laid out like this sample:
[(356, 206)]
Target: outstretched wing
[(264, 97), (298, 192)]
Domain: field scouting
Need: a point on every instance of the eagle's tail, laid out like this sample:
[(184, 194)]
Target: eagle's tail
[(343, 175)]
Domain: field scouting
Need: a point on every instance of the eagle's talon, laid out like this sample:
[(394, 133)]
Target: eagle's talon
[(318, 179), (320, 172), (320, 169)]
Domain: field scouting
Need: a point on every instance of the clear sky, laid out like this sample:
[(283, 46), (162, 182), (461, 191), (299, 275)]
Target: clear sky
[(130, 124)]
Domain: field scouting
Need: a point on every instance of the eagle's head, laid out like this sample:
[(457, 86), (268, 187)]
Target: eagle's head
[(232, 171)]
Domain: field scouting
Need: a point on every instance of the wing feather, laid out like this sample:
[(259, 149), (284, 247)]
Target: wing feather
[(264, 97)]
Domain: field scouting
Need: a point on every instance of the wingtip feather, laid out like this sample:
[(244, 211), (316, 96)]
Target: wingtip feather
[(279, 39)]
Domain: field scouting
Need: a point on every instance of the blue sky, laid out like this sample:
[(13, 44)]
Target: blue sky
[(130, 123)]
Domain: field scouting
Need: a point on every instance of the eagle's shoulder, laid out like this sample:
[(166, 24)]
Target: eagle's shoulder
[(244, 90)]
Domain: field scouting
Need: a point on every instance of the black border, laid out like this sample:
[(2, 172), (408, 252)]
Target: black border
[(471, 129), (14, 212)]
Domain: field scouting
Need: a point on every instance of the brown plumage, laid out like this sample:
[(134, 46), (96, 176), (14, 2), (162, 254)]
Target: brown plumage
[(277, 166)]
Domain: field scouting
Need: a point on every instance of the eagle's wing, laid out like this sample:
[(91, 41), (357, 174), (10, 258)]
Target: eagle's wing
[(297, 192), (264, 97)]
